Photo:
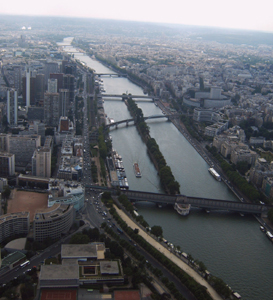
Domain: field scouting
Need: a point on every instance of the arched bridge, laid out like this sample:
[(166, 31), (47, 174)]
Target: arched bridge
[(127, 121)]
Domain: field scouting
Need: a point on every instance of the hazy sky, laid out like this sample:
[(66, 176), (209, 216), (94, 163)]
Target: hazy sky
[(245, 14)]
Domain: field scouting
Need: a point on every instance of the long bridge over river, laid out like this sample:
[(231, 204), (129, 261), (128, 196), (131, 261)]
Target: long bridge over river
[(125, 96), (199, 202), (127, 121)]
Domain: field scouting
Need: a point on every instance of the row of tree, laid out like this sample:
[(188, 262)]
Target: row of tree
[(167, 180)]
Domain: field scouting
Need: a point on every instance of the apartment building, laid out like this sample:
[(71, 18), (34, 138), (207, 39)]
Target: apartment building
[(53, 222), (14, 224)]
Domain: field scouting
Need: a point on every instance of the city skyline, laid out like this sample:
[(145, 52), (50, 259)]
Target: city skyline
[(211, 13)]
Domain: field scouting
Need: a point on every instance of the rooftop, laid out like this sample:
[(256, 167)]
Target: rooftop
[(52, 272)]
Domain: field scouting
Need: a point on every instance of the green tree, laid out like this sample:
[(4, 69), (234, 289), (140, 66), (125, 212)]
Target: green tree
[(157, 230), (79, 238)]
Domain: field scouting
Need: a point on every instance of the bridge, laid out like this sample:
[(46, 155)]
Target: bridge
[(125, 96), (199, 202), (127, 121), (203, 203), (111, 74)]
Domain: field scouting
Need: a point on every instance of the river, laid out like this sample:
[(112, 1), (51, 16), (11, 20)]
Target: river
[(232, 247)]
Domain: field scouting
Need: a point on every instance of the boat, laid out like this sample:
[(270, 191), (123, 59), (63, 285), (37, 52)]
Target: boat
[(262, 228), (182, 209), (137, 170), (269, 235), (214, 174)]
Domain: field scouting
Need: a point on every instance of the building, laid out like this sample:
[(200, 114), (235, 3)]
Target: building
[(39, 89), (52, 84), (69, 84), (50, 68), (7, 164), (216, 128), (67, 192), (17, 77), (84, 252), (53, 222), (51, 109), (23, 146), (14, 224), (64, 124), (41, 162), (212, 99), (59, 276), (12, 107), (60, 80), (27, 87), (64, 102), (207, 115), (243, 153)]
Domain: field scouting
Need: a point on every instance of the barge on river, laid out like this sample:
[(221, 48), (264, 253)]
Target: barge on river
[(214, 174), (137, 170)]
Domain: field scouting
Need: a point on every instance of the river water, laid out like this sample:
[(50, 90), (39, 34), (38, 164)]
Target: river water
[(232, 247)]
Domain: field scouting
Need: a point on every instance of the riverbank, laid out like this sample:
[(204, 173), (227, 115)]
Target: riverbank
[(186, 268)]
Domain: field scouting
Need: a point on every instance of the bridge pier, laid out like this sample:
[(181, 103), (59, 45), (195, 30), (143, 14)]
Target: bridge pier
[(116, 126)]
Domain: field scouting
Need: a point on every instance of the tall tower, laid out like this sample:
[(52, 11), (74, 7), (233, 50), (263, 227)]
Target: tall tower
[(51, 109), (28, 87), (17, 76), (12, 106), (64, 102)]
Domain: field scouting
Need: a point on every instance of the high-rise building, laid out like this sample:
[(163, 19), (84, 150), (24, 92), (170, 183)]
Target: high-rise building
[(60, 79), (41, 162), (52, 85), (69, 67), (69, 84), (12, 106), (64, 102), (17, 76), (39, 89), (7, 164), (50, 67), (27, 87), (51, 109)]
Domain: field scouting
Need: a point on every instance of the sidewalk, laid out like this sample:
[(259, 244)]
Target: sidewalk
[(169, 255)]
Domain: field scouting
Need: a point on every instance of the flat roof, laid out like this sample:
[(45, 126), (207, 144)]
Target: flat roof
[(52, 212), (78, 251), (51, 272), (17, 215), (109, 267)]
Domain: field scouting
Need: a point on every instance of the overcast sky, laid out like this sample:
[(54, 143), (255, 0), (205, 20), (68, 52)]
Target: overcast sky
[(242, 14)]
